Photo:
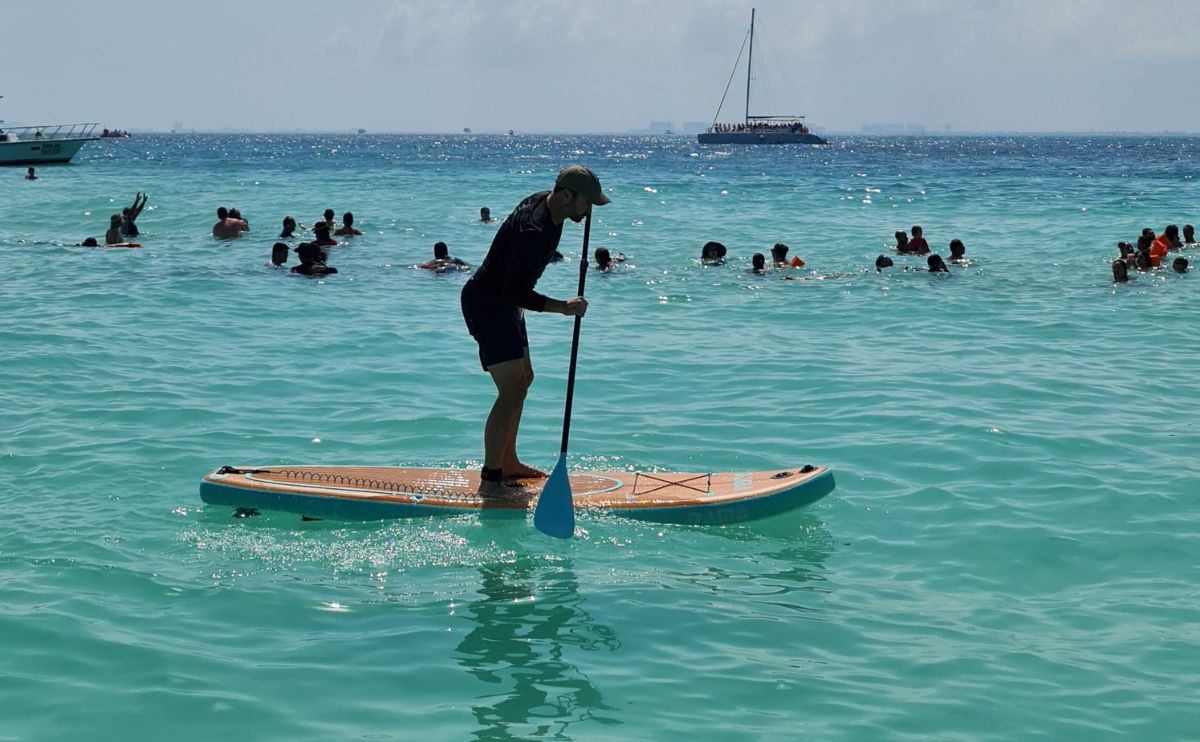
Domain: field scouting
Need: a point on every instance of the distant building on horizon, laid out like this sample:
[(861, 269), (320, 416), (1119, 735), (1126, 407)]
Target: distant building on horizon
[(662, 127), (655, 127), (892, 129)]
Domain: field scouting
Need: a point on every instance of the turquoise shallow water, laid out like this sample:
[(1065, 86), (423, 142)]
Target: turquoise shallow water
[(1010, 553)]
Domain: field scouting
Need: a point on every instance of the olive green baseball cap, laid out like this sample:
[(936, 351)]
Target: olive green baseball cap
[(583, 181)]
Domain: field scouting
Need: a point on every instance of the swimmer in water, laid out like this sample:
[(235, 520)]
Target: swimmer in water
[(1168, 240), (902, 242), (347, 229), (485, 215), (1189, 235), (289, 228), (279, 254), (443, 261), (321, 235), (113, 235), (329, 219), (713, 253), (235, 214), (936, 264), (91, 242), (228, 227), (1120, 270), (882, 262), (917, 245), (312, 260), (758, 264), (129, 215), (1180, 265), (31, 174), (779, 257), (957, 252), (605, 261)]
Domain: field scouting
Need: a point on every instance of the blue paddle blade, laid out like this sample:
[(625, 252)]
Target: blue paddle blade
[(555, 511)]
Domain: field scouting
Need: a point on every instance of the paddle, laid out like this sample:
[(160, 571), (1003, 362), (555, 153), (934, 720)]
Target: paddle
[(555, 511)]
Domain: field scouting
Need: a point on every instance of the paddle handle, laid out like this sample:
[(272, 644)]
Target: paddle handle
[(583, 269)]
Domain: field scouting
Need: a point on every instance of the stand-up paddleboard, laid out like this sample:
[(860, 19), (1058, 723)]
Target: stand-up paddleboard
[(375, 492)]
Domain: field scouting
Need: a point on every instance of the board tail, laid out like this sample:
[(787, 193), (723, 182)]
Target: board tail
[(555, 511)]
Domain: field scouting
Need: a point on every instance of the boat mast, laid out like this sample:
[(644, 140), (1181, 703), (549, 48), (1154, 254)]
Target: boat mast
[(749, 64)]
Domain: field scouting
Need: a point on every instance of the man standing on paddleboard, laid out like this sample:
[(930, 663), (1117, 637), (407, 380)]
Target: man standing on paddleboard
[(494, 301)]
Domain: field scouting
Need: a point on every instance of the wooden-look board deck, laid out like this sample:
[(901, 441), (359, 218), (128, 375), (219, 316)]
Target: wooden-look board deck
[(373, 492)]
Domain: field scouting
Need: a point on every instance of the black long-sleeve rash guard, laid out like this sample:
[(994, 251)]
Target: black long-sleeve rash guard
[(520, 252)]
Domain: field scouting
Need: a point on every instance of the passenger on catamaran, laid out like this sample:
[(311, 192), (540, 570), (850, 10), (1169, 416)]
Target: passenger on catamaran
[(494, 302)]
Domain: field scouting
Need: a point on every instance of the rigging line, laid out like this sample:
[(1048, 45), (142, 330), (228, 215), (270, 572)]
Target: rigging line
[(766, 78), (789, 85), (731, 74)]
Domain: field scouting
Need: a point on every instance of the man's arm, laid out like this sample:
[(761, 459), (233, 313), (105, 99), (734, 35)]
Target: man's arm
[(576, 306)]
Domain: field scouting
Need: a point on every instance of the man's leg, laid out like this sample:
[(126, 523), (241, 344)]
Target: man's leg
[(509, 463), (512, 384)]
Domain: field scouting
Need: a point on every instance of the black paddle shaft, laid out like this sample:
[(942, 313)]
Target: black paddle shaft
[(583, 269)]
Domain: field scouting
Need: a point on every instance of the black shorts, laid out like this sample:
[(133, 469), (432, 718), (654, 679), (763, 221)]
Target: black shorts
[(500, 331)]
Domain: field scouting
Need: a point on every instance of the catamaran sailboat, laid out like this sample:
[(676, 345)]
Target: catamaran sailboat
[(758, 129)]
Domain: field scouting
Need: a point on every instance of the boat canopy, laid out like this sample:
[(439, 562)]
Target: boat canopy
[(51, 132)]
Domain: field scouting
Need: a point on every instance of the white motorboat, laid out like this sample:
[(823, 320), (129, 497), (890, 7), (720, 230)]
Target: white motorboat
[(38, 145)]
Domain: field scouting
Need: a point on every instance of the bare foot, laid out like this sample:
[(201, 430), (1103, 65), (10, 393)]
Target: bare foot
[(520, 471), (503, 492)]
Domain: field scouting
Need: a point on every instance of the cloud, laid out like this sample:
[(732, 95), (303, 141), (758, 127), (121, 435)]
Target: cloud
[(602, 66)]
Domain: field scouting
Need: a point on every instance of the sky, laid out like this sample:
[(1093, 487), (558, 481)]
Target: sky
[(604, 66)]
